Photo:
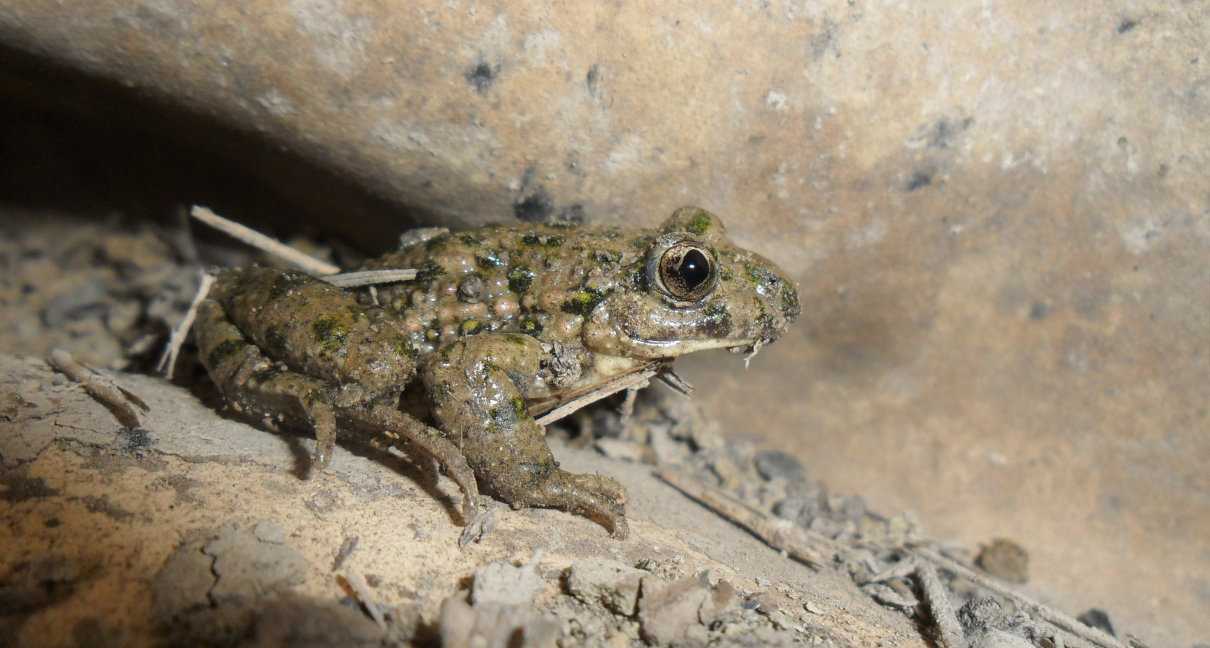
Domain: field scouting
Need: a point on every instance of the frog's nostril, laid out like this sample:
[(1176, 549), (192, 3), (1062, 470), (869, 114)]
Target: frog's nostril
[(790, 307), (772, 330)]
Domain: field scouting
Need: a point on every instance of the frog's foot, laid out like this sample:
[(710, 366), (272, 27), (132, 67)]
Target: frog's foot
[(391, 427), (323, 420), (595, 497)]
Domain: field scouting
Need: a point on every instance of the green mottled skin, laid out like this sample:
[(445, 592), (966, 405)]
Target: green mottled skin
[(501, 323)]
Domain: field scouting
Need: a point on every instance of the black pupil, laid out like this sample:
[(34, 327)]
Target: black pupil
[(694, 269)]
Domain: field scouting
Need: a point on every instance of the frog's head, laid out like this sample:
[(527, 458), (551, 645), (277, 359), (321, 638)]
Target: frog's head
[(693, 290)]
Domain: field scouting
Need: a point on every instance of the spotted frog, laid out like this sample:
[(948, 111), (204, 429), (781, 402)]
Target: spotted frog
[(500, 324)]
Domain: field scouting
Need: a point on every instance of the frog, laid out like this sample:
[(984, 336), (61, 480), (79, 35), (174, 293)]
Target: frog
[(499, 324)]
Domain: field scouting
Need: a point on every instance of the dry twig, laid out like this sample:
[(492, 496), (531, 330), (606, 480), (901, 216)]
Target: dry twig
[(119, 401), (319, 269), (360, 591), (901, 569), (369, 277), (1044, 612), (605, 390), (803, 545), (304, 262), (346, 549), (675, 382), (814, 549), (177, 338), (936, 597), (627, 409)]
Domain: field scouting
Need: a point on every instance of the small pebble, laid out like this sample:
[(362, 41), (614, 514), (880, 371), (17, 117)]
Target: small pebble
[(267, 531), (86, 295), (852, 508), (789, 508), (999, 639), (621, 449), (1005, 560), (889, 596), (980, 613), (507, 584), (775, 464), (1099, 619), (608, 582)]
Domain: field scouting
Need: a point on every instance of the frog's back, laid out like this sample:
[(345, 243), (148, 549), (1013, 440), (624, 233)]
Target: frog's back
[(539, 280), (314, 328)]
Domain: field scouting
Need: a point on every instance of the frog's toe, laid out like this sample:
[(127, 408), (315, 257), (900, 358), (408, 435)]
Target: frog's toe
[(325, 440), (609, 488), (620, 529), (321, 458), (479, 524), (595, 497)]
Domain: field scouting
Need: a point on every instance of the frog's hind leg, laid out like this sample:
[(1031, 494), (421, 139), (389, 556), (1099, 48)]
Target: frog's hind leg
[(388, 426), (474, 385), (260, 389)]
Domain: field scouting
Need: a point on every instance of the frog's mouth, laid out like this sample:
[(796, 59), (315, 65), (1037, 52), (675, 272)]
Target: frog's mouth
[(674, 348)]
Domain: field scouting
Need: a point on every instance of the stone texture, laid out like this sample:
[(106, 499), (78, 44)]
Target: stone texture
[(198, 561), (245, 566), (608, 582), (999, 214), (1005, 560), (507, 584), (998, 639), (494, 625), (667, 611), (775, 464)]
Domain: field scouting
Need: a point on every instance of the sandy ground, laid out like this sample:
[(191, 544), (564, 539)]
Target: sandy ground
[(100, 513)]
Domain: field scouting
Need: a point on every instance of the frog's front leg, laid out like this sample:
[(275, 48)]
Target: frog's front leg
[(258, 388), (385, 424), (476, 388)]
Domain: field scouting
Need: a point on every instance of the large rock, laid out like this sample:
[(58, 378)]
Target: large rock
[(999, 213)]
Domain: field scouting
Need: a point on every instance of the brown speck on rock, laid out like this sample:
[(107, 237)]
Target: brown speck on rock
[(1005, 560), (19, 488), (535, 207), (482, 75), (920, 179), (1099, 619)]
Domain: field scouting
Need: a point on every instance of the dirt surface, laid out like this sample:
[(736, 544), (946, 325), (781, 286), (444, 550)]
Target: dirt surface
[(199, 525)]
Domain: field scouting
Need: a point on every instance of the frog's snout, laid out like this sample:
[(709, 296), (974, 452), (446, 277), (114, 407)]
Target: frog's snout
[(779, 306)]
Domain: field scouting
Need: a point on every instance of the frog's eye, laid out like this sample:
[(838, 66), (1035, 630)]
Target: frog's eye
[(686, 272)]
